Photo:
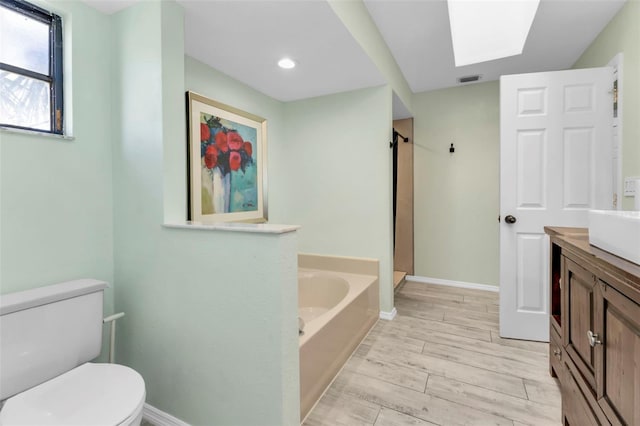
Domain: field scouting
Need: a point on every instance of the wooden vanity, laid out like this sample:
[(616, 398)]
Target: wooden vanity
[(594, 347)]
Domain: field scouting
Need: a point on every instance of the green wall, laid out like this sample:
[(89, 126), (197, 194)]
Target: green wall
[(337, 185), (622, 34), (456, 196), (209, 333), (211, 315), (56, 195), (202, 79), (210, 318), (456, 201)]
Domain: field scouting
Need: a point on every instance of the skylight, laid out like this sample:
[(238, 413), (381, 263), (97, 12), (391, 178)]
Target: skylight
[(484, 30)]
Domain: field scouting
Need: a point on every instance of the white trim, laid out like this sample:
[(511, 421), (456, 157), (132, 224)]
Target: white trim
[(37, 133), (388, 315), (160, 418), (617, 63), (257, 228), (450, 283)]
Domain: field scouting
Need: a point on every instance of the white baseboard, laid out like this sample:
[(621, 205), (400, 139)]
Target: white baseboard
[(460, 284), (388, 315), (160, 418)]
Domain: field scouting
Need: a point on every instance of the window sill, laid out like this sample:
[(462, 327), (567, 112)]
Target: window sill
[(255, 228), (36, 133)]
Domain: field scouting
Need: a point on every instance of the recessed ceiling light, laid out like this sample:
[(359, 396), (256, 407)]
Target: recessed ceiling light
[(286, 63), (484, 30)]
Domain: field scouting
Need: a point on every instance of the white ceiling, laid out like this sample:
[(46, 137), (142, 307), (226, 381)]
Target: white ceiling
[(245, 39), (418, 34)]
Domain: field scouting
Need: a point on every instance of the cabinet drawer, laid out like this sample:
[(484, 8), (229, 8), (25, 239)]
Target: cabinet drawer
[(579, 406), (556, 353)]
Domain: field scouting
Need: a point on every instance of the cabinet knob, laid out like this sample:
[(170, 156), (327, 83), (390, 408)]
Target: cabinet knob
[(594, 338), (557, 353)]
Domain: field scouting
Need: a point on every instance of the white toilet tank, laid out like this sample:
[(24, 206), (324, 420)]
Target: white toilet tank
[(47, 331)]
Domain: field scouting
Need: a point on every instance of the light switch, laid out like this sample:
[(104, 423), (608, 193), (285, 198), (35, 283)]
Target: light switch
[(630, 186)]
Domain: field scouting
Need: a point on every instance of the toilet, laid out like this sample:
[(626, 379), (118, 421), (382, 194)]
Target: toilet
[(48, 336)]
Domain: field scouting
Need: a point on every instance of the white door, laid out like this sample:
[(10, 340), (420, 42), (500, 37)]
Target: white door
[(555, 165)]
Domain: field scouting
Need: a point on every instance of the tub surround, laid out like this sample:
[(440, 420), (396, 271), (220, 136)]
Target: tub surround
[(330, 338), (351, 265)]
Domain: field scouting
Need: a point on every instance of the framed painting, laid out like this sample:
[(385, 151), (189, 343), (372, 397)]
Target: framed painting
[(226, 163)]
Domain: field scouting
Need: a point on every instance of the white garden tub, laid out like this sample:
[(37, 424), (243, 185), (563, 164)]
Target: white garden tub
[(338, 309)]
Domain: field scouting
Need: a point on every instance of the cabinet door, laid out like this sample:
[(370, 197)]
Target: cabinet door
[(579, 286), (618, 357), (579, 407)]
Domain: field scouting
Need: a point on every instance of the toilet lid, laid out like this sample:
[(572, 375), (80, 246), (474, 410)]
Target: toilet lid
[(89, 395)]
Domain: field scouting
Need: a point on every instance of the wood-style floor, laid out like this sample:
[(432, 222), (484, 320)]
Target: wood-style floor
[(441, 361)]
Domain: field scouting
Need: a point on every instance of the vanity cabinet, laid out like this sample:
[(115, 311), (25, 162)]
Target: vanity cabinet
[(594, 348), (618, 357), (579, 320)]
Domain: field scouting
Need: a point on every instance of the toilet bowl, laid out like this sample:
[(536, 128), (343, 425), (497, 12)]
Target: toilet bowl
[(88, 395), (48, 336)]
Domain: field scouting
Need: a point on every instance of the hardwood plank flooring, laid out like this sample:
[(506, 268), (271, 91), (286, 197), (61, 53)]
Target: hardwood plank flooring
[(523, 344), (388, 417), (441, 361), (343, 410)]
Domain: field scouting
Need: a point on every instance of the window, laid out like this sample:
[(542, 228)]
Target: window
[(30, 67)]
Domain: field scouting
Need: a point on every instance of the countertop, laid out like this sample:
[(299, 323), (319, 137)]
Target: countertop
[(576, 241)]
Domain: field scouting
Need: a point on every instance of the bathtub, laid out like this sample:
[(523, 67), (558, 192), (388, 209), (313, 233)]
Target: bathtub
[(338, 309)]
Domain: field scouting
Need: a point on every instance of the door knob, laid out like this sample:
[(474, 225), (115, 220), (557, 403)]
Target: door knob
[(594, 339), (510, 219)]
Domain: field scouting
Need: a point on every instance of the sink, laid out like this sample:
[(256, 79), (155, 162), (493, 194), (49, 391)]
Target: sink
[(617, 232)]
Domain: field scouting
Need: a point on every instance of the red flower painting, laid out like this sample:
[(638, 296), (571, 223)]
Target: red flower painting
[(221, 141), (234, 140), (223, 147), (211, 157), (248, 148), (227, 175), (235, 160), (205, 133)]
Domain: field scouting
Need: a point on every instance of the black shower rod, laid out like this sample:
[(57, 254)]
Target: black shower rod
[(395, 139)]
